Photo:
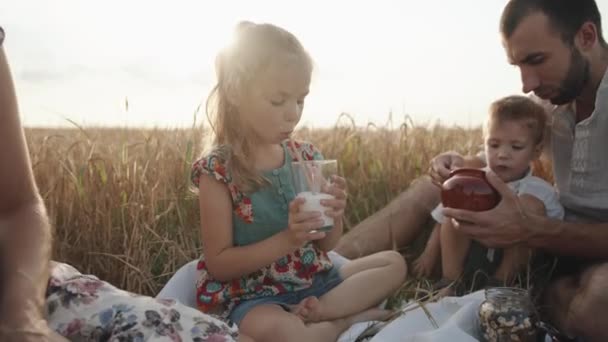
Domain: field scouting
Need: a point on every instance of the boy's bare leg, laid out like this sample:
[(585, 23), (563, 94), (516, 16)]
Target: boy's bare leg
[(425, 264), (514, 260), (454, 249), (396, 225)]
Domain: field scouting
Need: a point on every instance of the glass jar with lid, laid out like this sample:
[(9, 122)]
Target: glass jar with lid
[(507, 314)]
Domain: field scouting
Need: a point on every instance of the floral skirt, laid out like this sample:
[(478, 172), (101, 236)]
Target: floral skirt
[(84, 308)]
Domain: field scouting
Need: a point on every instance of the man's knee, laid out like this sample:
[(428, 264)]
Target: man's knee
[(425, 185), (592, 293), (397, 224), (588, 312)]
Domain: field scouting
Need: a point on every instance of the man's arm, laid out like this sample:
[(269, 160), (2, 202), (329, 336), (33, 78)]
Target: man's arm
[(24, 229), (567, 238), (512, 222)]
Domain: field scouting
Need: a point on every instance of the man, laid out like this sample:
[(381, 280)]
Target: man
[(562, 56)]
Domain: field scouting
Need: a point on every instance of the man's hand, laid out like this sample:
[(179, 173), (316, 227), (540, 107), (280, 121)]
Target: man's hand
[(500, 227)]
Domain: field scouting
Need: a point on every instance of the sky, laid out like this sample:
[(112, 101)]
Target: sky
[(82, 61)]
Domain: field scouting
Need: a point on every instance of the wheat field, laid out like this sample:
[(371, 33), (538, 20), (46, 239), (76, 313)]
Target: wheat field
[(122, 207)]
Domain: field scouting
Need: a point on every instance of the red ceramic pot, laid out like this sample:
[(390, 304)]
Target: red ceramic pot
[(470, 190)]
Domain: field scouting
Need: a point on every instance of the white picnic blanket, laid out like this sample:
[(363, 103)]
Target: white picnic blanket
[(181, 288), (456, 317)]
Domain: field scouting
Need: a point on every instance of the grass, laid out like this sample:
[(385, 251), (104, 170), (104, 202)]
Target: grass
[(121, 205)]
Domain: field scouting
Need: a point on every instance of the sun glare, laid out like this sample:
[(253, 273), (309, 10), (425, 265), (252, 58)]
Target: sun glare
[(81, 59)]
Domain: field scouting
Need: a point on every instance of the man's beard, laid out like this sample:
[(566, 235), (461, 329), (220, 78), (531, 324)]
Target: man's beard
[(576, 79)]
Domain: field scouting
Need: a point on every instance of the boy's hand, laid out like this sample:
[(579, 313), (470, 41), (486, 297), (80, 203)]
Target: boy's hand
[(443, 164)]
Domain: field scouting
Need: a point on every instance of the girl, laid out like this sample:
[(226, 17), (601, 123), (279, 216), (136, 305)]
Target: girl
[(263, 267), (513, 140)]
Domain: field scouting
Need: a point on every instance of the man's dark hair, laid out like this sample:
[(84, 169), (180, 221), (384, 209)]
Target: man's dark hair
[(566, 16)]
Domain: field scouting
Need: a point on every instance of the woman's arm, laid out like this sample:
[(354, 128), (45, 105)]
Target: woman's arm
[(25, 236)]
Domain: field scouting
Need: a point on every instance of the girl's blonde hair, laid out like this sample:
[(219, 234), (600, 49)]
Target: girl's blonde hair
[(237, 66)]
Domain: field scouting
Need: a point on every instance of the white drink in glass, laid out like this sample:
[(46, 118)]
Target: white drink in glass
[(310, 178), (313, 203)]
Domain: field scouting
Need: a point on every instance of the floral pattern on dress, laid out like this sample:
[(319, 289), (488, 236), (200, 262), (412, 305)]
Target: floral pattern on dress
[(292, 272), (84, 308), (304, 150), (215, 166)]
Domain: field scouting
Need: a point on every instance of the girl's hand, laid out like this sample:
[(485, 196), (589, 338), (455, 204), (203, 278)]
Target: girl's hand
[(337, 188), (301, 224)]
